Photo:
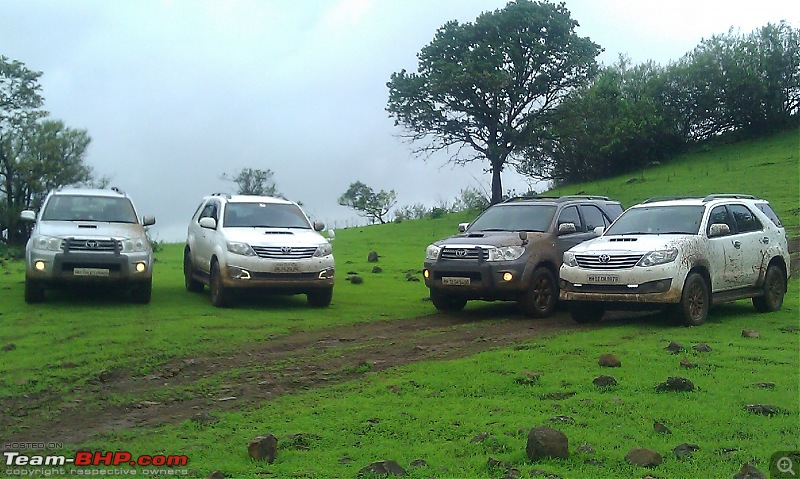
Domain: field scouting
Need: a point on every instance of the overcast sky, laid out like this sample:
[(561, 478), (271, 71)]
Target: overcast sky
[(175, 93)]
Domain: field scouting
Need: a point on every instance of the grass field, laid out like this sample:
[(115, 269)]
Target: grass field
[(432, 411)]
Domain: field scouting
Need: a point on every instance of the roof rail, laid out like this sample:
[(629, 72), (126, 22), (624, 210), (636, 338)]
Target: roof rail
[(226, 195), (583, 197), (727, 195), (665, 198), (117, 190)]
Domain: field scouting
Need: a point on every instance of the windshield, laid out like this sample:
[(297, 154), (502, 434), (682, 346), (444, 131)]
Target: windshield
[(264, 215), (514, 218), (89, 208), (658, 220)]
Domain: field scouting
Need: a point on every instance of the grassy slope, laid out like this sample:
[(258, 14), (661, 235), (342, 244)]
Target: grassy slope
[(456, 400)]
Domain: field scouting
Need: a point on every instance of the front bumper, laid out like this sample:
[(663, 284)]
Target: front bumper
[(70, 267), (488, 280), (281, 276), (661, 285)]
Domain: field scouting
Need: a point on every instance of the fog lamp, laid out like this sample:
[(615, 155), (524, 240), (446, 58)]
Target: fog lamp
[(39, 265), (426, 274), (508, 276), (140, 267)]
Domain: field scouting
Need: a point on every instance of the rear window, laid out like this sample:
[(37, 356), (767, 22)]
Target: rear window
[(767, 210)]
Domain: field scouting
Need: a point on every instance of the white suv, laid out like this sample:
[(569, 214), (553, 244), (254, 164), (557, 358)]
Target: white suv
[(88, 237), (245, 242), (683, 254)]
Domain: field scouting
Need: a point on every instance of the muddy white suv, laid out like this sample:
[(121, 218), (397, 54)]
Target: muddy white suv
[(90, 237), (680, 254), (257, 242), (512, 251)]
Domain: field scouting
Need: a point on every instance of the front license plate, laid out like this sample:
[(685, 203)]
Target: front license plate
[(455, 281), (286, 268), (90, 271), (603, 278)]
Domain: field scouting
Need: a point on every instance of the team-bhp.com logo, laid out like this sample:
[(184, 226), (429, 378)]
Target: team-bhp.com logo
[(86, 458)]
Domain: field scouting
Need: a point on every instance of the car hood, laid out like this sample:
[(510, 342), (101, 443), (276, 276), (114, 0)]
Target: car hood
[(489, 239), (633, 243), (275, 236), (89, 229)]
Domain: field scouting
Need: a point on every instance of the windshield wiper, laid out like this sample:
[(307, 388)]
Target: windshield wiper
[(494, 229)]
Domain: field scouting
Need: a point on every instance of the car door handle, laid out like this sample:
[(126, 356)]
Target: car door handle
[(765, 240), (737, 244)]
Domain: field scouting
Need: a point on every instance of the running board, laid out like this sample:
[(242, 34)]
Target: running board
[(734, 294)]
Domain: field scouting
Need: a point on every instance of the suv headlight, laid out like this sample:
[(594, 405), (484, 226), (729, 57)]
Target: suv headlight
[(134, 245), (569, 259), (243, 249), (323, 250), (505, 253), (655, 258), (47, 243), (432, 253)]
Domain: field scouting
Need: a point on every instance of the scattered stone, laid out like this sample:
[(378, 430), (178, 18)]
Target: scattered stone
[(702, 348), (558, 395), (763, 409), (604, 381), (566, 419), (377, 269), (352, 272), (528, 378), (355, 279), (617, 400), (372, 257), (660, 428), (676, 384), (263, 448), (216, 475), (394, 388), (546, 442), (9, 347), (643, 457), (750, 333), (227, 398), (748, 471), (412, 278), (685, 363), (674, 347), (512, 474), (765, 385), (609, 361), (302, 441), (585, 448), (204, 418), (685, 450), (480, 437), (104, 376), (345, 460), (631, 181), (383, 468), (492, 462), (418, 463)]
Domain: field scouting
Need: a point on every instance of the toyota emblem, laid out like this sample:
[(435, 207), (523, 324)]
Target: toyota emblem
[(91, 244), (604, 258), (286, 249), (461, 252)]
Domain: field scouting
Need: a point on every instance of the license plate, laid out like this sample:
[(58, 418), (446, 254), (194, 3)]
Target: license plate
[(603, 278), (455, 281), (286, 268), (90, 271)]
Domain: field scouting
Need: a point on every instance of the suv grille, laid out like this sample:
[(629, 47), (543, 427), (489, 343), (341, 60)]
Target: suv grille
[(284, 252), (471, 254), (105, 246), (607, 261)]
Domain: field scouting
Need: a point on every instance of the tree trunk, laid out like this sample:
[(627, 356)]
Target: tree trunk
[(497, 185)]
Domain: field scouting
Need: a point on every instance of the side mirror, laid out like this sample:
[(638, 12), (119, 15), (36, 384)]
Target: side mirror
[(28, 215), (319, 226), (148, 220), (718, 229), (462, 227), (331, 235), (566, 228), (209, 223), (598, 231)]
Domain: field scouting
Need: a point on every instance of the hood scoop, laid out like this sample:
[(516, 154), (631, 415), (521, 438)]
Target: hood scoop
[(87, 227), (278, 233), (623, 240), (475, 235)]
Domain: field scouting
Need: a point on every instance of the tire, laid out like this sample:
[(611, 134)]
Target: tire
[(542, 296), (188, 271), (584, 312), (774, 290), (34, 291), (320, 298), (141, 293), (695, 299), (447, 303), (220, 296)]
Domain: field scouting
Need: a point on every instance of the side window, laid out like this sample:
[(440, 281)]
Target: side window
[(210, 211), (767, 210), (720, 215), (593, 217), (744, 218), (570, 215)]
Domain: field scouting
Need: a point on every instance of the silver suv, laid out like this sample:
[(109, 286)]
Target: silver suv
[(88, 236), (248, 242), (682, 254)]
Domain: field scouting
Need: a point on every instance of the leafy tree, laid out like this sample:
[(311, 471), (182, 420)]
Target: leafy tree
[(253, 181), (369, 204), (36, 154), (487, 88)]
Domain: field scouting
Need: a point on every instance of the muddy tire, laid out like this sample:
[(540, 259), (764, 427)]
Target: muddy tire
[(695, 301), (542, 296), (447, 303), (585, 313), (220, 296), (141, 293), (188, 271), (34, 291), (320, 298), (774, 290)]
